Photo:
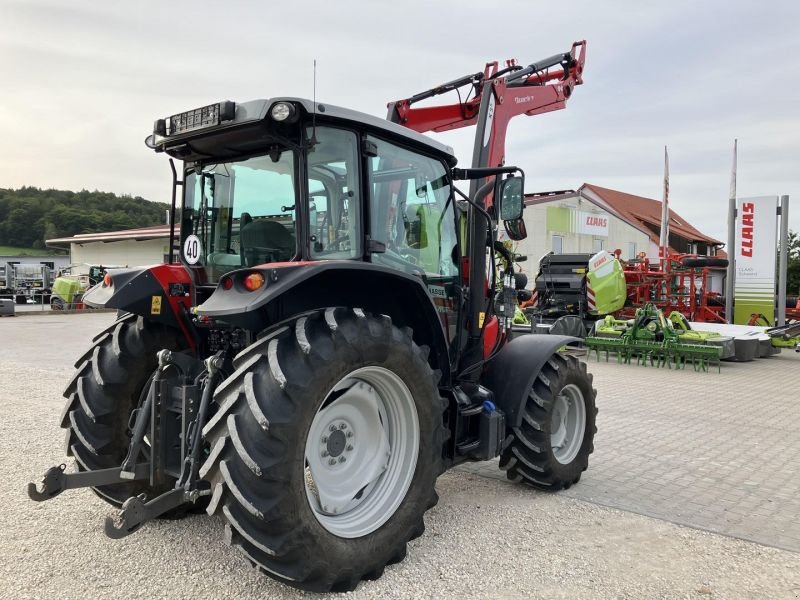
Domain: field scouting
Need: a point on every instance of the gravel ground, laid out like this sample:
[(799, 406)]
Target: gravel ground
[(485, 539)]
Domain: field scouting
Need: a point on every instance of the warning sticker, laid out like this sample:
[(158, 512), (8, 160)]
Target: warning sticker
[(155, 305)]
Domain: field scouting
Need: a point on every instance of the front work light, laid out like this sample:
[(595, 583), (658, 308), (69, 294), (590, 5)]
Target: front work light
[(199, 118), (283, 111)]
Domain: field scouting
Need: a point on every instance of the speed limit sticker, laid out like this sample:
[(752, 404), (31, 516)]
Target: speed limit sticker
[(192, 249)]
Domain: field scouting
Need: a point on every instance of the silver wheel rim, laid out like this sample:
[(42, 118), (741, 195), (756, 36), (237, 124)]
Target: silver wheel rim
[(361, 452), (568, 424)]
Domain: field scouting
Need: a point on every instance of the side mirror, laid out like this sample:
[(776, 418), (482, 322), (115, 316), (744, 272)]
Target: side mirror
[(510, 192)]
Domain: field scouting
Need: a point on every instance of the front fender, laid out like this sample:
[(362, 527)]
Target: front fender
[(510, 374), (155, 292)]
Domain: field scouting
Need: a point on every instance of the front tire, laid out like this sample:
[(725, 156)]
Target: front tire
[(107, 386), (551, 447), (293, 506)]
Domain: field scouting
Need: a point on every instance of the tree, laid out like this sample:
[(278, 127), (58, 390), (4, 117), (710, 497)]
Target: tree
[(29, 216), (793, 275)]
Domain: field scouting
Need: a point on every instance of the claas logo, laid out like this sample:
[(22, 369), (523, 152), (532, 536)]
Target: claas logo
[(595, 221), (748, 216)]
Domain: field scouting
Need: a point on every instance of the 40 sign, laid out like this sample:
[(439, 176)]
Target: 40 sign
[(754, 291)]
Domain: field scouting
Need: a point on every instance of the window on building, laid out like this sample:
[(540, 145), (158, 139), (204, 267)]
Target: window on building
[(558, 244), (597, 245), (631, 250)]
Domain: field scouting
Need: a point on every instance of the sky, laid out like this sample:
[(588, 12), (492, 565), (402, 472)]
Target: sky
[(82, 82)]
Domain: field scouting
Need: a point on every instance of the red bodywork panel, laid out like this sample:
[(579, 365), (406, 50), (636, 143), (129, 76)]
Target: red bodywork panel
[(176, 273), (490, 335)]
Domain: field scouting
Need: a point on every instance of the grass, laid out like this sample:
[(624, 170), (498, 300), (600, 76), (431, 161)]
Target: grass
[(14, 251)]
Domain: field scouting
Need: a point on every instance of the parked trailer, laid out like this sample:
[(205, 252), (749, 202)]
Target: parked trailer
[(28, 282)]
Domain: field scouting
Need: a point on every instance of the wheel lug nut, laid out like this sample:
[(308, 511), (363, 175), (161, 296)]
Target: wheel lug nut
[(332, 428), (324, 453), (324, 439), (342, 459), (349, 447), (332, 461), (349, 434), (343, 426)]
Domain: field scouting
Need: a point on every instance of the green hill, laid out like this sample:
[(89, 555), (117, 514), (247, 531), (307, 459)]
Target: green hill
[(29, 216)]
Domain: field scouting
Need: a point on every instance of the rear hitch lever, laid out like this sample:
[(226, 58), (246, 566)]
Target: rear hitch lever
[(55, 480)]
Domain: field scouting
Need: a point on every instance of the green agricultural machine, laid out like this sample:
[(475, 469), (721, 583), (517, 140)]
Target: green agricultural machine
[(72, 283), (573, 291), (655, 340)]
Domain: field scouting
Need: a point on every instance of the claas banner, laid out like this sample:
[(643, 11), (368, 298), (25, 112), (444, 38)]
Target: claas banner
[(754, 290)]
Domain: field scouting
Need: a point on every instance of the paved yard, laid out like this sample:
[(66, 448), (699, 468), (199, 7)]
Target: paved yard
[(716, 451)]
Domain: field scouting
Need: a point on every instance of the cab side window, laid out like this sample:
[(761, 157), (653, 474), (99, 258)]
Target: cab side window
[(334, 202), (413, 223), (411, 212)]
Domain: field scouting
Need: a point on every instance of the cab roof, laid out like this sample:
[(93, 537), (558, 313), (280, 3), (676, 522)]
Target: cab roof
[(196, 144)]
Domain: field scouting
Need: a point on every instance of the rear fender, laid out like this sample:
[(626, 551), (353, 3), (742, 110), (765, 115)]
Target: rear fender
[(159, 293), (292, 288), (510, 374)]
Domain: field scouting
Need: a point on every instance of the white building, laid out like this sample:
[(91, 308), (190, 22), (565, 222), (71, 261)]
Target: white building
[(595, 218), (127, 248)]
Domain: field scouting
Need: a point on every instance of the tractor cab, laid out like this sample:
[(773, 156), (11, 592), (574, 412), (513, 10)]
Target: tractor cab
[(274, 181)]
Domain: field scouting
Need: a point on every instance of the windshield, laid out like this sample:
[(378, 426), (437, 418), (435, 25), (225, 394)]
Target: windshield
[(240, 213)]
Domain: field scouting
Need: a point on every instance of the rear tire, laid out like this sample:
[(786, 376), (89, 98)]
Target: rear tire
[(264, 448), (551, 447), (107, 386)]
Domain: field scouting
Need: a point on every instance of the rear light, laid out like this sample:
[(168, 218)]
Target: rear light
[(253, 281), (227, 283), (107, 282)]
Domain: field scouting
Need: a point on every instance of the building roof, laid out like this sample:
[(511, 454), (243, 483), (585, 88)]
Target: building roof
[(647, 212), (144, 233)]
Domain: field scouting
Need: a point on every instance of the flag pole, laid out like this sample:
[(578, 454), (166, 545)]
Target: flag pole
[(730, 277)]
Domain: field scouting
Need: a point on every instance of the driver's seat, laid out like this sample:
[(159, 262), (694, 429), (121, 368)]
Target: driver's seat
[(264, 240)]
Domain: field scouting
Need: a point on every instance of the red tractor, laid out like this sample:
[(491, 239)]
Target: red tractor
[(330, 342)]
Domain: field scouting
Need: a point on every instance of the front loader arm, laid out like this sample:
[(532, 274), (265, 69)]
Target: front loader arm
[(541, 87)]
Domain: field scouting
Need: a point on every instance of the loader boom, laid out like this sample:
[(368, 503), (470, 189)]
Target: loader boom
[(540, 87), (498, 95)]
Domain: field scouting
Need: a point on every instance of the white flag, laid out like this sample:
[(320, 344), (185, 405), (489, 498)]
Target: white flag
[(733, 172), (664, 239)]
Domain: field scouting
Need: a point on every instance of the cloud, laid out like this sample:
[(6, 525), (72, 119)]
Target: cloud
[(83, 82)]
